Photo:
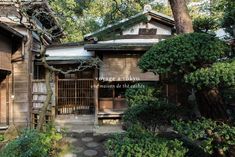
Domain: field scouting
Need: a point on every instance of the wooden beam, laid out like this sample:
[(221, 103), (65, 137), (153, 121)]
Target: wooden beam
[(159, 36), (7, 100), (119, 46), (96, 97)]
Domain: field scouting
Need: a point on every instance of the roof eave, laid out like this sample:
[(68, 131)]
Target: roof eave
[(158, 16), (13, 31), (118, 46)]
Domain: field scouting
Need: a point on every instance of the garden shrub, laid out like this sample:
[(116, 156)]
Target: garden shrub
[(138, 142), (151, 114), (140, 93), (183, 53), (32, 143), (214, 137), (229, 95), (1, 137)]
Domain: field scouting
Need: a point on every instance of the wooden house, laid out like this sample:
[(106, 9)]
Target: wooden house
[(18, 46), (100, 92)]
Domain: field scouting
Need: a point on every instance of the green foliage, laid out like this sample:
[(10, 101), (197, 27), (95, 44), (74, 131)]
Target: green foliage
[(183, 54), (162, 8), (209, 134), (78, 17), (228, 21), (32, 143), (67, 12), (219, 74), (138, 143), (150, 114), (204, 24), (140, 93), (194, 129), (1, 137), (229, 95)]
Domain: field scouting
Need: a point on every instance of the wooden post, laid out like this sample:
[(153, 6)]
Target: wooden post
[(56, 96), (0, 103), (30, 84), (96, 97), (7, 100)]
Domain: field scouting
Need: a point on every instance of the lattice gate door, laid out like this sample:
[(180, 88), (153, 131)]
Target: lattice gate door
[(75, 96)]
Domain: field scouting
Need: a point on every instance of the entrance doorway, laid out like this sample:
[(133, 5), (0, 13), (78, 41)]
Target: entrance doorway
[(75, 96), (4, 98)]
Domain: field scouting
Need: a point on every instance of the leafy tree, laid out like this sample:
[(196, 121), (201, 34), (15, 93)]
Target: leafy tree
[(183, 54), (194, 56), (205, 24), (228, 21), (183, 21), (221, 74), (81, 17)]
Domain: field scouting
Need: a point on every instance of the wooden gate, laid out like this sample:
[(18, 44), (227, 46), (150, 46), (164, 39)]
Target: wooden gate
[(75, 96)]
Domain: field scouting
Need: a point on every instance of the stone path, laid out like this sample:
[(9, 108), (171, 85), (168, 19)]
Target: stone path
[(86, 145)]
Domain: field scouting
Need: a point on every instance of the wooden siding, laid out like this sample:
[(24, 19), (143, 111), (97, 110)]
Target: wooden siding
[(3, 102), (40, 93), (20, 80), (75, 96), (5, 53), (124, 68)]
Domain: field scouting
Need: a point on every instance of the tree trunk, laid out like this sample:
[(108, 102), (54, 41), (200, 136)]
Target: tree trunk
[(43, 110), (211, 104), (183, 21)]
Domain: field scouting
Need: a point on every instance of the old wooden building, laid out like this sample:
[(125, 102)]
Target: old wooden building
[(11, 43), (100, 92), (18, 46)]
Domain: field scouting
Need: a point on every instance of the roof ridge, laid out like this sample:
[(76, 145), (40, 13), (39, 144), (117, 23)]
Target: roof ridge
[(125, 20)]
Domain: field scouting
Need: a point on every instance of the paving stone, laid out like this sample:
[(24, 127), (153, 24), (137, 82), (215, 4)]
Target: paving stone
[(78, 149), (92, 144), (87, 139), (70, 139), (106, 152), (70, 155), (90, 153)]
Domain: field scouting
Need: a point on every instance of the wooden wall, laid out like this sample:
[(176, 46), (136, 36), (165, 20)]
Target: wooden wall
[(122, 67), (40, 93), (6, 68), (21, 87), (3, 102), (5, 53)]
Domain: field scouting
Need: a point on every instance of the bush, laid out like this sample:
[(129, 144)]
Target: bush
[(213, 137), (229, 95), (140, 93), (138, 142), (150, 114), (219, 74), (1, 137), (204, 24), (183, 53), (32, 143)]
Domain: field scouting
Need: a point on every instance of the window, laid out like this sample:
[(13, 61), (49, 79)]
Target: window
[(145, 31), (39, 72), (113, 89)]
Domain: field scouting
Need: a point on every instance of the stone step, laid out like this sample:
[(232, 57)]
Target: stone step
[(74, 120), (82, 128), (75, 117)]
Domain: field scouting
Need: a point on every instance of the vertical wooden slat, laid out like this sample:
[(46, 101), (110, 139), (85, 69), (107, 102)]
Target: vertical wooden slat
[(7, 99), (0, 103), (75, 95)]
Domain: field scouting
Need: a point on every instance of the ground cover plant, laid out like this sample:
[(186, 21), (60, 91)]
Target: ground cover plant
[(32, 143), (138, 142)]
